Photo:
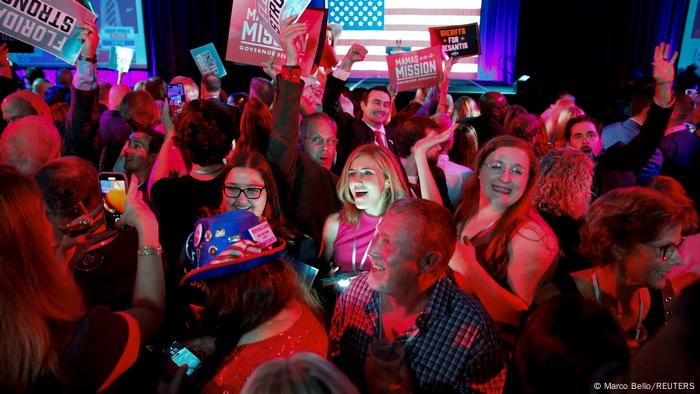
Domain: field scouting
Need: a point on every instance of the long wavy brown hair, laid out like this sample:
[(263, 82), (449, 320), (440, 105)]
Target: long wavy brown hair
[(496, 255), (39, 299)]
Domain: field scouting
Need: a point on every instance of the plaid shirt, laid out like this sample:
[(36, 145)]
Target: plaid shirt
[(452, 347)]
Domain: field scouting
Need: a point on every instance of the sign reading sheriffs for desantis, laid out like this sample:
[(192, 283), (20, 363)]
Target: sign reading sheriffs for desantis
[(417, 69), (251, 42), (51, 25), (456, 41)]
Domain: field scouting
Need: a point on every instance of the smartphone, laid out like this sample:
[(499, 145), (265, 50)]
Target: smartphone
[(179, 355), (113, 187), (176, 97)]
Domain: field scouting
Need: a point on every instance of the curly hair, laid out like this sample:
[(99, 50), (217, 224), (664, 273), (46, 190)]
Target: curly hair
[(564, 186), (624, 217), (387, 163), (205, 129)]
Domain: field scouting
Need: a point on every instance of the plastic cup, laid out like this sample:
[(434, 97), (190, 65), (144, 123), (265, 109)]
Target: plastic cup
[(385, 355)]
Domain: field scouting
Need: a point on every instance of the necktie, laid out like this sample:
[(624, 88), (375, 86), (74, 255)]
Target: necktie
[(378, 138)]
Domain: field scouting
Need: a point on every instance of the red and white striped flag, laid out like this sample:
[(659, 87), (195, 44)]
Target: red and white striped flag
[(378, 24)]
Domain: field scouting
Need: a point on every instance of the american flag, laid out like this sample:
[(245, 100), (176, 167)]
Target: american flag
[(378, 24)]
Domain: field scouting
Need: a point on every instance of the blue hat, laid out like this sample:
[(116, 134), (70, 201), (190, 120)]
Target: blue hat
[(228, 244)]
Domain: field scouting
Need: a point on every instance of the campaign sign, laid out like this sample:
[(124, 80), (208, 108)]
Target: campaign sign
[(208, 61), (120, 58), (456, 41), (51, 25), (293, 7), (417, 69), (249, 42)]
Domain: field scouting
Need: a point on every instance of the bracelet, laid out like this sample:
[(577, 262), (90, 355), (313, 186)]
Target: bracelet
[(150, 251), (291, 73)]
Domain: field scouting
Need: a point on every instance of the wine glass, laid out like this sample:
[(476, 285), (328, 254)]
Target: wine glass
[(74, 221)]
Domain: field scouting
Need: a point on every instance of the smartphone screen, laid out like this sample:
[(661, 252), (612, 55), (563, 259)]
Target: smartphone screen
[(113, 188), (176, 96), (180, 355)]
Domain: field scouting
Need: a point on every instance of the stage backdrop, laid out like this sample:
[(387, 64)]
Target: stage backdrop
[(381, 23)]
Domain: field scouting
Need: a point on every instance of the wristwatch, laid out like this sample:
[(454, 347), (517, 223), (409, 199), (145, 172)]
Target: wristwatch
[(92, 60)]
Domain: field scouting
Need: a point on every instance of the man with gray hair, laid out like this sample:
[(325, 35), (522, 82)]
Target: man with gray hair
[(29, 143), (405, 310)]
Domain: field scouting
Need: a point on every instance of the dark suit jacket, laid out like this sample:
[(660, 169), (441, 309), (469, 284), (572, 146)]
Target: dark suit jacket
[(307, 190), (352, 132), (619, 164)]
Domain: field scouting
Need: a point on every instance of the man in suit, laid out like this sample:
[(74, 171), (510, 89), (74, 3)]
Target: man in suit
[(375, 105), (210, 89)]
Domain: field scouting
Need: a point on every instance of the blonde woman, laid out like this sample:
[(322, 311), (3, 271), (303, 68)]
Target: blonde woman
[(371, 180)]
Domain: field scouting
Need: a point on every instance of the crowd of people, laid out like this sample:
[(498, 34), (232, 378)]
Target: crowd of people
[(306, 238)]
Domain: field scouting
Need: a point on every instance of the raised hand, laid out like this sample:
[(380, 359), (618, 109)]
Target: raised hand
[(356, 53), (423, 145), (90, 38), (664, 71), (269, 68), (292, 37), (138, 214)]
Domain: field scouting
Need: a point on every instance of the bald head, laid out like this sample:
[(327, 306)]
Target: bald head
[(40, 86), (23, 103), (29, 143), (191, 88), (116, 95), (493, 104)]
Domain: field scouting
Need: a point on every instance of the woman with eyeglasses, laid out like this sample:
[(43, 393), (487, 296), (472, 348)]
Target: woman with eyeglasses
[(506, 249), (250, 186), (632, 236)]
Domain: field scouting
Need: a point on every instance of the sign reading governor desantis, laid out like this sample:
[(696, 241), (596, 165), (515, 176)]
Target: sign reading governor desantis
[(458, 40), (250, 42), (51, 25), (417, 69)]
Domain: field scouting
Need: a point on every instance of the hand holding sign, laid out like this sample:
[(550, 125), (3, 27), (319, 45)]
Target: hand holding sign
[(292, 37), (90, 38)]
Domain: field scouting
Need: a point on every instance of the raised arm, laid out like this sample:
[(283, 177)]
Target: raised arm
[(83, 114), (148, 299), (282, 153), (336, 81), (162, 166), (532, 260), (428, 187), (636, 153)]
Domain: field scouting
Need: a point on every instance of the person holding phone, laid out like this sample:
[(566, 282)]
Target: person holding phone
[(50, 341), (204, 132), (101, 258)]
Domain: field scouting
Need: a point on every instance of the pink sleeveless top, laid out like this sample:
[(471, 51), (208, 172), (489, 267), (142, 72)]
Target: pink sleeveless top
[(343, 246)]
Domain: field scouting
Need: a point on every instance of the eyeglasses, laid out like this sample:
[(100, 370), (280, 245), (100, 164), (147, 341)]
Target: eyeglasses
[(251, 192), (499, 168), (316, 140), (666, 251)]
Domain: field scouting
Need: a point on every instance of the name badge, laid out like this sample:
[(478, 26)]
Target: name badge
[(262, 234)]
